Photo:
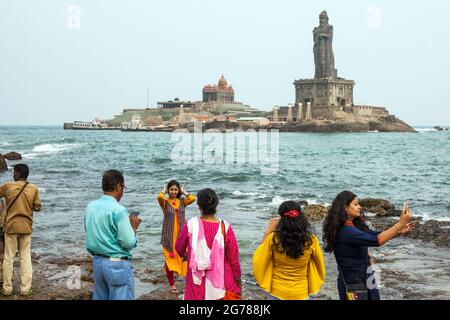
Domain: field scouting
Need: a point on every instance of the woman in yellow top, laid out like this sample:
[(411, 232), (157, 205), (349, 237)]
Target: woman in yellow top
[(174, 218), (289, 264)]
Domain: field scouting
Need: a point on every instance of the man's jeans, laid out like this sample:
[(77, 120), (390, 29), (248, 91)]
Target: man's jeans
[(113, 280)]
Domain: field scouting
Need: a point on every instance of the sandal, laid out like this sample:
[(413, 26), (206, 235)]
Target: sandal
[(174, 290), (27, 293), (6, 294)]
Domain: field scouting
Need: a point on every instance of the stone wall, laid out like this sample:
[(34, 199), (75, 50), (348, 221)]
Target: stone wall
[(325, 95), (369, 112)]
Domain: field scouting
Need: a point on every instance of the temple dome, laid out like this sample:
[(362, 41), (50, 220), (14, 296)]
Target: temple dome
[(222, 85)]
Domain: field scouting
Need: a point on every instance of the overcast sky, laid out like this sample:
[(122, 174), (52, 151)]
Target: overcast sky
[(75, 60)]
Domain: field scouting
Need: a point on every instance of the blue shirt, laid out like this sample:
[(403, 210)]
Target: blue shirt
[(108, 228), (352, 253)]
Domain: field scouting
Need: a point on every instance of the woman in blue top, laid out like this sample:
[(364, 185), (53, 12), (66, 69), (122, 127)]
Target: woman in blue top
[(347, 235)]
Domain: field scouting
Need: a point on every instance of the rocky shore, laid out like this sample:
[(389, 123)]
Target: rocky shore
[(387, 124), (64, 278)]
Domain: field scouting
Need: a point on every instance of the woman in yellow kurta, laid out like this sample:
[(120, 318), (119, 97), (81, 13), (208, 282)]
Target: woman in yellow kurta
[(174, 218), (289, 263)]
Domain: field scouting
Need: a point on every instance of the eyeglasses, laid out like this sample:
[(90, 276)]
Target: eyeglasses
[(122, 185)]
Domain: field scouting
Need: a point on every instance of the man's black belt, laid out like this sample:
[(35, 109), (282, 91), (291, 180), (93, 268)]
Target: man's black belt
[(105, 256)]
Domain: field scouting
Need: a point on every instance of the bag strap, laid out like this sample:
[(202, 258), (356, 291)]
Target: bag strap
[(342, 274), (14, 201), (222, 225), (343, 278)]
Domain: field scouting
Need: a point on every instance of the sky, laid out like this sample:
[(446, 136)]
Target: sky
[(62, 61)]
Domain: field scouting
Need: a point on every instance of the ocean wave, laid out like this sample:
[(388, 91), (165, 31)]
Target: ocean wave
[(314, 201), (238, 193), (48, 149), (4, 144), (425, 129), (277, 200), (159, 160), (427, 217)]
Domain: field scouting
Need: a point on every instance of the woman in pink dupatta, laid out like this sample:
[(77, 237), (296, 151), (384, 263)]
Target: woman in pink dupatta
[(213, 255)]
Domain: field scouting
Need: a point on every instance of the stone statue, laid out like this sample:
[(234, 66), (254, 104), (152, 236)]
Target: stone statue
[(323, 48)]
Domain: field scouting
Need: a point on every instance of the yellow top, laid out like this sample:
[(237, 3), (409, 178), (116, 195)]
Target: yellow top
[(173, 262), (287, 278), (175, 203)]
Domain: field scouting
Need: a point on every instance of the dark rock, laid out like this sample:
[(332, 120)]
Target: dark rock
[(438, 128), (434, 231), (390, 124), (371, 202), (315, 212), (12, 156), (326, 126), (378, 206), (3, 164)]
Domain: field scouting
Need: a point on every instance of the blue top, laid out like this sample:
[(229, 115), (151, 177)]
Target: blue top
[(352, 253), (108, 228)]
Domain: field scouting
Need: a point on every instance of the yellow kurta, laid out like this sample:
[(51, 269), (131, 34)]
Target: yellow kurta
[(287, 278), (176, 262)]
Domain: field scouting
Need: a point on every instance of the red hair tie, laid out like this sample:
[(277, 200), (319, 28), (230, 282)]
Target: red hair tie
[(292, 213)]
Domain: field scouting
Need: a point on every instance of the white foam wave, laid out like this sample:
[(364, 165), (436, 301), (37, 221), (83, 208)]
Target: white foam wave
[(314, 201), (48, 149), (426, 217), (277, 200), (4, 144), (425, 129), (240, 193)]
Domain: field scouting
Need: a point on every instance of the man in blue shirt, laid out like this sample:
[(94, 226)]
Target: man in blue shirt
[(110, 237)]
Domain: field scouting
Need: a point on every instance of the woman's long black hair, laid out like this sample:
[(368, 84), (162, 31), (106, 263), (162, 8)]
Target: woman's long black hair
[(336, 217), (292, 235), (177, 184)]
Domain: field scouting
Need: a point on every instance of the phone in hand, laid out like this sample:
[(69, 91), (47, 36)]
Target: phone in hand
[(135, 213)]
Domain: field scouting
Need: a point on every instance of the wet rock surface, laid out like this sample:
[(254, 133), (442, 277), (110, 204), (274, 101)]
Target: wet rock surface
[(315, 212), (12, 156), (378, 206), (3, 164), (386, 124), (56, 278)]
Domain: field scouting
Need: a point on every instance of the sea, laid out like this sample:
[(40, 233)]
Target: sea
[(67, 166)]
